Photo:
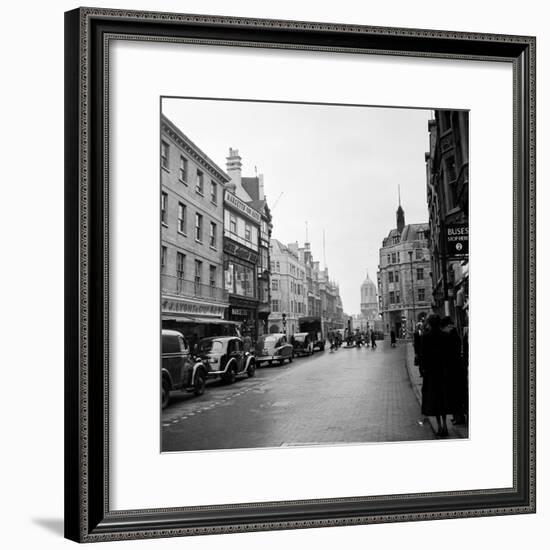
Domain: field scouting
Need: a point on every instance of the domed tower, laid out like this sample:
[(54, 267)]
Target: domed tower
[(369, 300)]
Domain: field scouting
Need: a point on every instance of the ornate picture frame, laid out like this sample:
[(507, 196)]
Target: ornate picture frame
[(88, 34)]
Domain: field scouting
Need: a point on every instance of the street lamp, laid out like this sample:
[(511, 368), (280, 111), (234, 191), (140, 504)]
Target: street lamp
[(412, 292), (284, 322)]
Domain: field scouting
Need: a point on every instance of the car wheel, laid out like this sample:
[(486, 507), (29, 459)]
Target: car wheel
[(200, 383), (251, 371), (231, 375), (165, 393)]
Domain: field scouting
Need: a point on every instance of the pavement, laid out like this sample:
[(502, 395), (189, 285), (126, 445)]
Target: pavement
[(455, 431), (350, 396)]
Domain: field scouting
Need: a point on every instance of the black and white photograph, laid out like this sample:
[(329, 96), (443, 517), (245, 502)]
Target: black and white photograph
[(314, 274)]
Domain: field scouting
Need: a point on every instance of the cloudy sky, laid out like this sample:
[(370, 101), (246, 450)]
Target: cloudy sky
[(335, 167)]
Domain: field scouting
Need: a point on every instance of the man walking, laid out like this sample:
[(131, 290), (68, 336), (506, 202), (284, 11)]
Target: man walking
[(372, 339)]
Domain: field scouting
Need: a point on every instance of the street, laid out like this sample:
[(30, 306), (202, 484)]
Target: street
[(352, 395)]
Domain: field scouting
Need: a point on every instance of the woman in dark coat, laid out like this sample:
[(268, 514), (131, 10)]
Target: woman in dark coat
[(435, 383), (456, 371)]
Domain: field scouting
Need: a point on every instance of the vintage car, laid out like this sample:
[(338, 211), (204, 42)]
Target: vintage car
[(274, 347), (179, 370), (302, 343), (226, 358)]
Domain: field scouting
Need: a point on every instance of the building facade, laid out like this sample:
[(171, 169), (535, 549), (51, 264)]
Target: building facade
[(404, 283), (247, 230), (312, 281), (288, 288), (447, 194), (192, 190)]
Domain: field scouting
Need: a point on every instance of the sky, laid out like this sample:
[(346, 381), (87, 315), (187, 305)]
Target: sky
[(335, 167)]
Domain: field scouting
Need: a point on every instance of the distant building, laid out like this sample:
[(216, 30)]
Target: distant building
[(404, 283), (288, 288), (369, 304), (447, 194), (312, 281), (192, 188)]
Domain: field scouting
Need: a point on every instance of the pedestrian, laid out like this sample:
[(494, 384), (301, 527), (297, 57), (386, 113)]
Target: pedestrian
[(465, 361), (456, 371), (416, 345), (435, 382), (372, 339), (392, 338), (331, 340)]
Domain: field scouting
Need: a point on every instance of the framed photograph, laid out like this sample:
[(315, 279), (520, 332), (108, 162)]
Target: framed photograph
[(275, 315)]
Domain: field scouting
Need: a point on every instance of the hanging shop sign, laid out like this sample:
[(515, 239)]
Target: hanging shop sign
[(457, 240)]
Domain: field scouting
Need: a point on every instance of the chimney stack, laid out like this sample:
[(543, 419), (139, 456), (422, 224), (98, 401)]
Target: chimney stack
[(234, 167)]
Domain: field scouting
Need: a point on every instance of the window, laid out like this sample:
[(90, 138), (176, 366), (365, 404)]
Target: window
[(244, 280), (419, 273), (396, 276), (183, 169), (390, 276), (275, 305), (182, 217), (163, 206), (200, 183), (162, 257), (278, 264), (398, 260), (164, 152), (212, 234), (198, 227), (275, 284), (213, 191), (393, 257), (392, 297), (180, 271), (247, 232), (419, 254), (421, 294), (212, 276), (389, 259), (198, 273), (232, 224), (397, 297)]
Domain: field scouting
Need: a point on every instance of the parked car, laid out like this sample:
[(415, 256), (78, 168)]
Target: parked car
[(302, 343), (179, 369), (225, 358), (274, 347)]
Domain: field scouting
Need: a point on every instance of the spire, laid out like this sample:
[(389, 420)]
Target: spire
[(400, 212)]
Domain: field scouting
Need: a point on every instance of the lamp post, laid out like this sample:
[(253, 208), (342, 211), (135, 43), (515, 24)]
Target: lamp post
[(412, 292), (284, 322)]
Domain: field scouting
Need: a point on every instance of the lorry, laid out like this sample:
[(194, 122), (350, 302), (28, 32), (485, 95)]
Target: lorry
[(315, 327)]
